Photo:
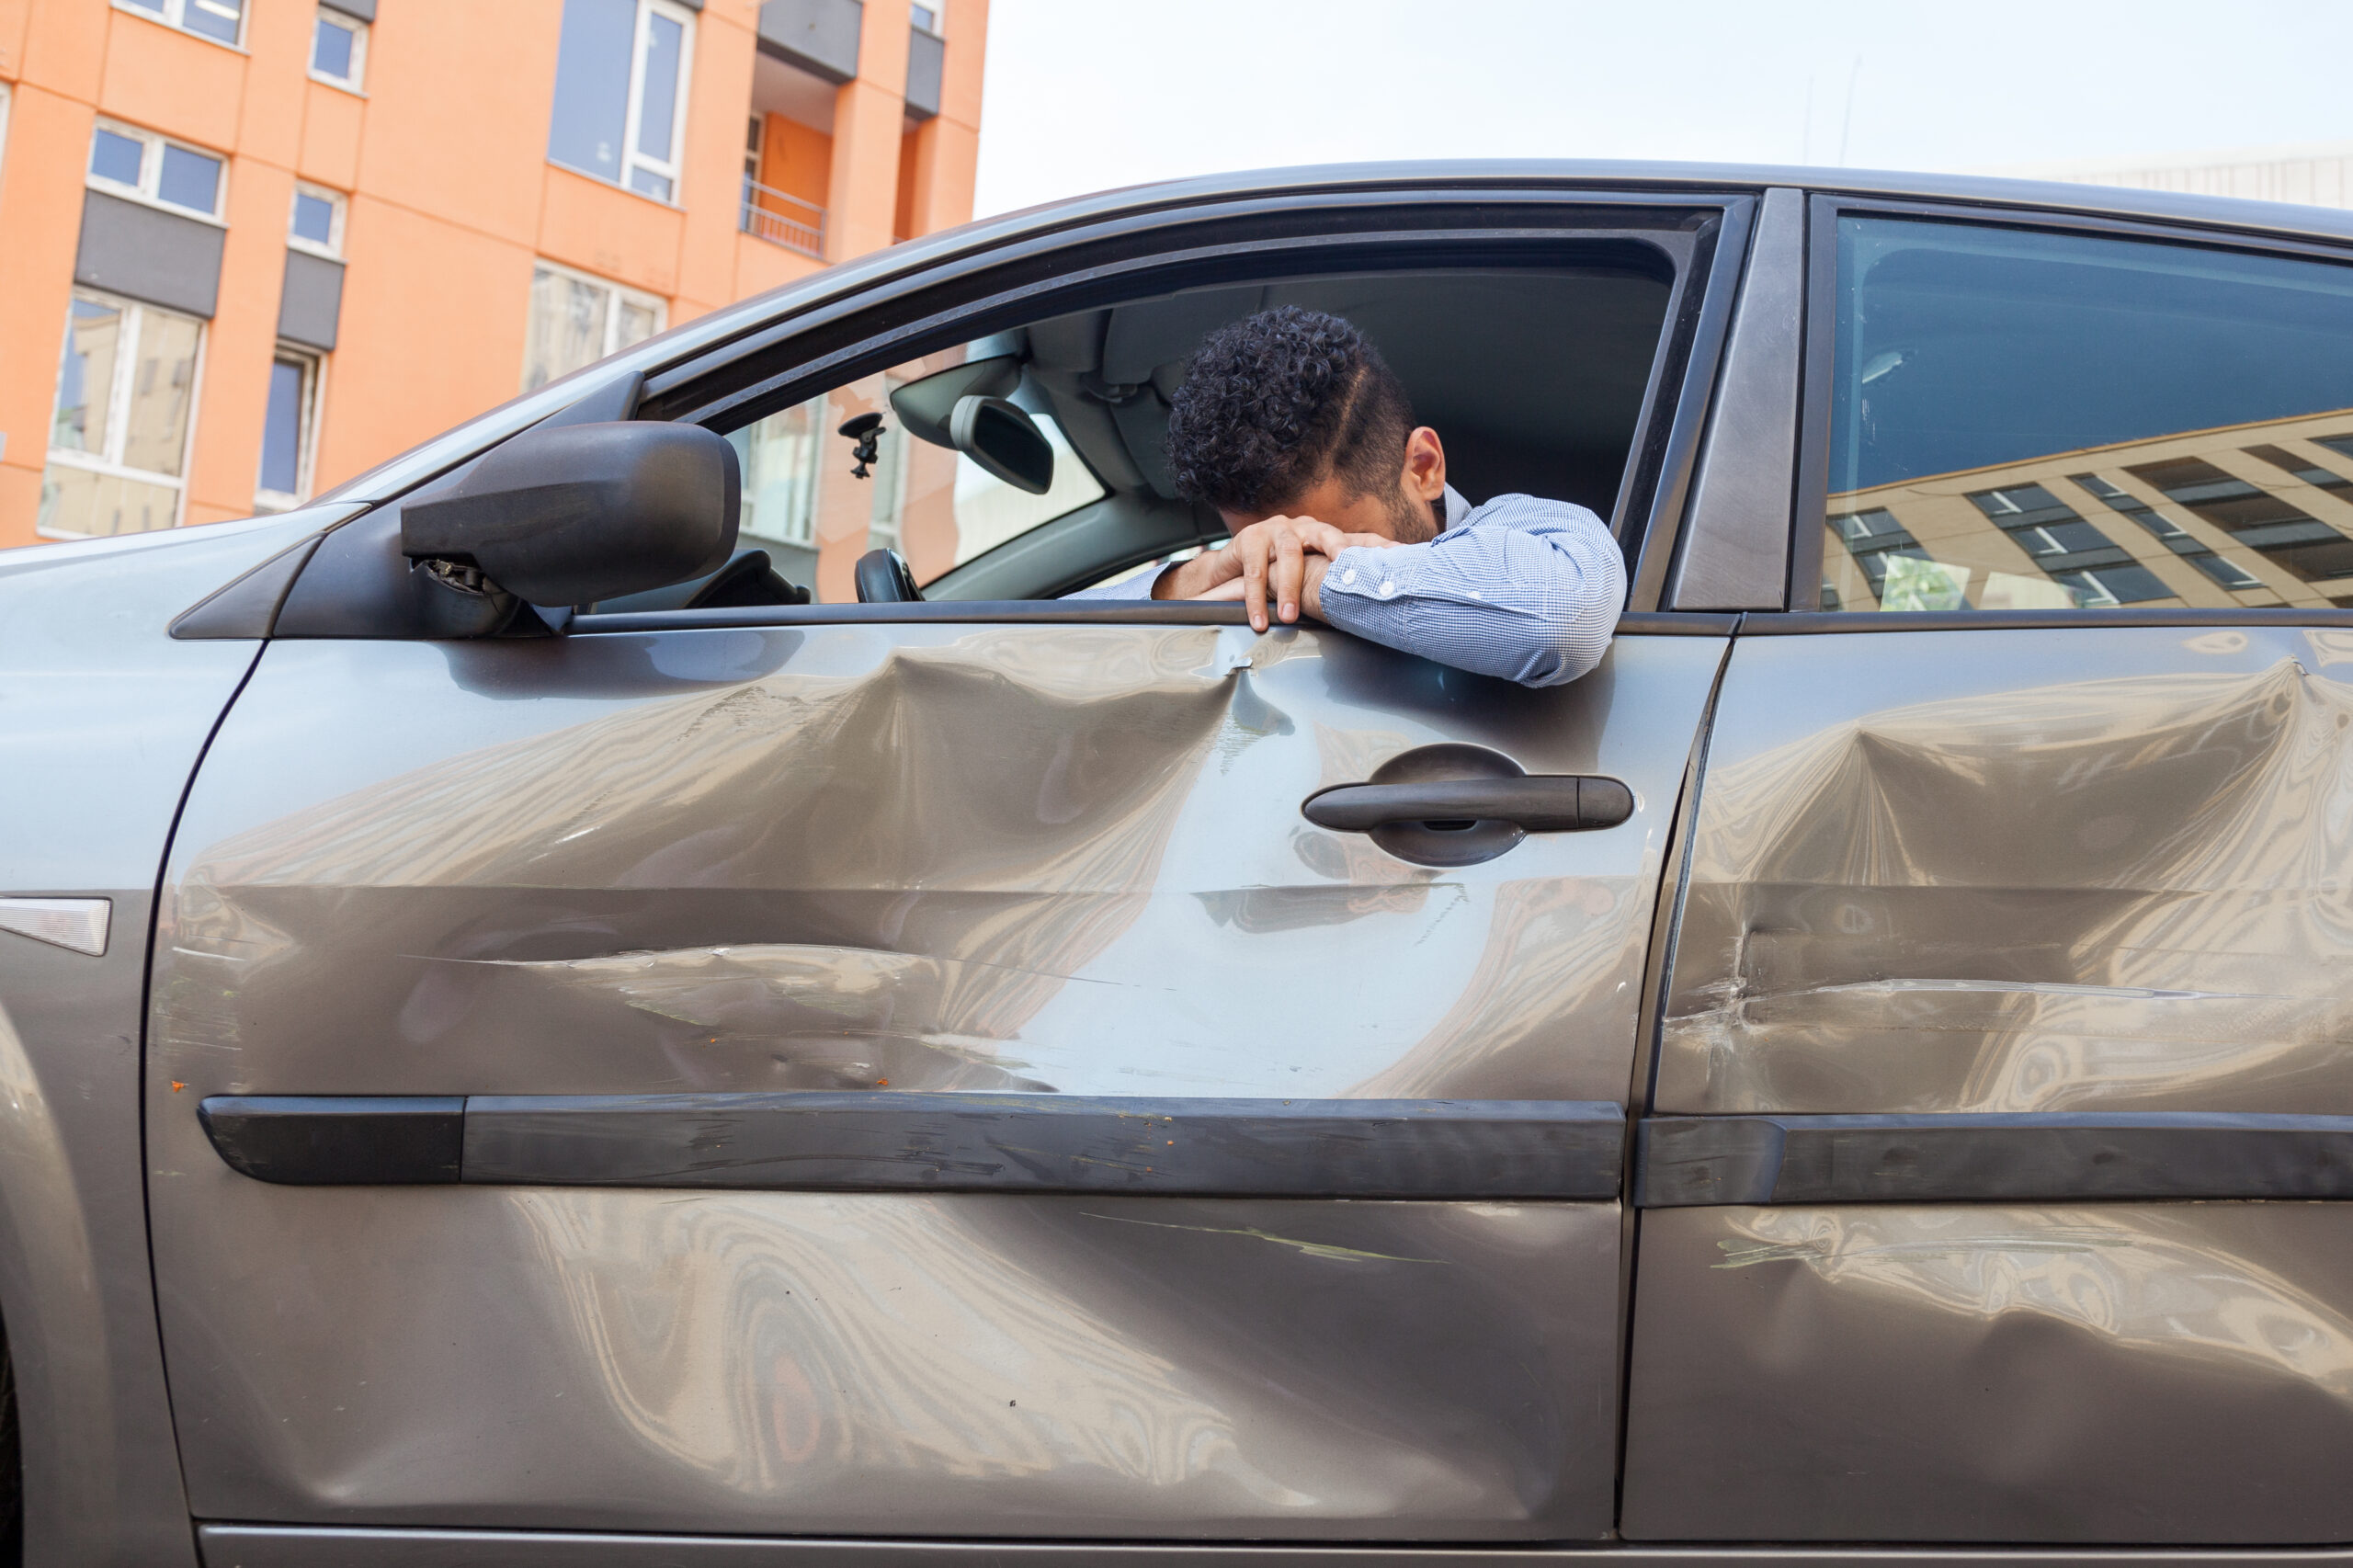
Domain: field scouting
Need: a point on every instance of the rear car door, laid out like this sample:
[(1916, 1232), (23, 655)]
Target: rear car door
[(908, 1069), (2003, 1110)]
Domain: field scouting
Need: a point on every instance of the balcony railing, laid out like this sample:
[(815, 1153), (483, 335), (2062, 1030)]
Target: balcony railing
[(770, 214)]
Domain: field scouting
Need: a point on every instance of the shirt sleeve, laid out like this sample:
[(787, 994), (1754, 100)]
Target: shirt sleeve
[(1526, 589), (1136, 588)]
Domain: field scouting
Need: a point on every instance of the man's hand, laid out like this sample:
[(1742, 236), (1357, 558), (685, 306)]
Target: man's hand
[(1282, 558)]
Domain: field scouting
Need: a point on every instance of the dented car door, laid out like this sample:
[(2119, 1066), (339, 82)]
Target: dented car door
[(2005, 1054), (1025, 926)]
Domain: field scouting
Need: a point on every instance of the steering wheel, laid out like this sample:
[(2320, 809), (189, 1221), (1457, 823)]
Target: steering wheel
[(883, 579)]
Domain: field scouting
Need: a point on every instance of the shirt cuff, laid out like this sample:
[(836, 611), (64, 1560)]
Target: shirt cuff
[(1360, 574)]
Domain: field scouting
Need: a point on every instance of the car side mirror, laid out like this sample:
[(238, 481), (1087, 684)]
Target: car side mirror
[(1004, 441), (573, 513)]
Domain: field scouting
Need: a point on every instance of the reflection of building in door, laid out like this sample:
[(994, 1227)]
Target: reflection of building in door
[(2247, 514)]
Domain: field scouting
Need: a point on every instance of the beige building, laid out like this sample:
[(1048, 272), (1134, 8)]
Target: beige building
[(2316, 174)]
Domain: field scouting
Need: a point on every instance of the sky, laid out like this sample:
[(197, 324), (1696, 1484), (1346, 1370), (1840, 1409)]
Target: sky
[(1087, 94)]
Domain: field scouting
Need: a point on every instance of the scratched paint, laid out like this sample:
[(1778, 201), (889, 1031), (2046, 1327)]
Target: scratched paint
[(1026, 859)]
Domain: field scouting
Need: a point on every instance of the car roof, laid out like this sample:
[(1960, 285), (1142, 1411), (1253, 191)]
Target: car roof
[(2268, 220), (2270, 217)]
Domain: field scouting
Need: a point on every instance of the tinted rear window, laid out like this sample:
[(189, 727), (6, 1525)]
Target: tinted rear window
[(2040, 421)]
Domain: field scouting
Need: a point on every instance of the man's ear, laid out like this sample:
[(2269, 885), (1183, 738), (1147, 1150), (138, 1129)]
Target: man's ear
[(1424, 464)]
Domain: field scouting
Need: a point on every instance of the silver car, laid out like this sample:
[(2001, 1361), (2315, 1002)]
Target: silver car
[(528, 1037)]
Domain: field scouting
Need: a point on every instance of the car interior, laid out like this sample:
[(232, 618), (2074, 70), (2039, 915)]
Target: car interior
[(1533, 376)]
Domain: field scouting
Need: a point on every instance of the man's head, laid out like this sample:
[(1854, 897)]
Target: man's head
[(1293, 412)]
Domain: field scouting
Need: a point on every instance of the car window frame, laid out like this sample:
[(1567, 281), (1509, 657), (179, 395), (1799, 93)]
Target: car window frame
[(1658, 475), (1811, 499), (726, 373)]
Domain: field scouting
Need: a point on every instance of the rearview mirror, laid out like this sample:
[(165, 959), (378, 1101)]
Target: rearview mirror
[(573, 513), (925, 407), (1004, 441)]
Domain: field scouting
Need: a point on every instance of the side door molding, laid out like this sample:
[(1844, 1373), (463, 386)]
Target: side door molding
[(1694, 1161), (934, 1141)]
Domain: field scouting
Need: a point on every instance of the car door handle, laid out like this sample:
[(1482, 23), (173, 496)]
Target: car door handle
[(1554, 803)]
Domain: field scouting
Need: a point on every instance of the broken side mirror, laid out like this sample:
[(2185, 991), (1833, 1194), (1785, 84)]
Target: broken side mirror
[(573, 513)]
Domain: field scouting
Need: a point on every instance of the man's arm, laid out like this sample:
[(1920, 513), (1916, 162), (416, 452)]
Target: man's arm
[(1526, 589)]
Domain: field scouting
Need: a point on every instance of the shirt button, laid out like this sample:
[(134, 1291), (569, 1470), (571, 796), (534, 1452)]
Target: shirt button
[(1388, 590), (1349, 577)]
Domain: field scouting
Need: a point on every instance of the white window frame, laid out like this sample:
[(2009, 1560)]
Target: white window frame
[(886, 516), (174, 15), (621, 292), (119, 405), (150, 172), (640, 43), (358, 32), (938, 10), (314, 372), (333, 249)]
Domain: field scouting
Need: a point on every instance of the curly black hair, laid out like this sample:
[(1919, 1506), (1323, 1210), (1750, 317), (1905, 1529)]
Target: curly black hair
[(1276, 403)]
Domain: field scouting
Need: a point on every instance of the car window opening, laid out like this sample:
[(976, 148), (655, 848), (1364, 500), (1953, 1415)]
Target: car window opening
[(1534, 378)]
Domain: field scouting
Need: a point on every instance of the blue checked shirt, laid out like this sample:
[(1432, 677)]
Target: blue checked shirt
[(1520, 588)]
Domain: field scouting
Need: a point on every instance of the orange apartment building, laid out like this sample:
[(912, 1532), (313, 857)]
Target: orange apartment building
[(250, 248)]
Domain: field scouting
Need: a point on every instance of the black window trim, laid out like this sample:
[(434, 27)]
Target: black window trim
[(1658, 470), (1806, 614), (970, 295)]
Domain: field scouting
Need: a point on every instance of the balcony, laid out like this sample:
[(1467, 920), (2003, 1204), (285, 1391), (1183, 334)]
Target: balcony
[(782, 220)]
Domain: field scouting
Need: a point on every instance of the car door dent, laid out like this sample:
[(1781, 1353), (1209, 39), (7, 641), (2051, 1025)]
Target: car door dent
[(2028, 887), (1992, 890), (950, 857), (2132, 1372)]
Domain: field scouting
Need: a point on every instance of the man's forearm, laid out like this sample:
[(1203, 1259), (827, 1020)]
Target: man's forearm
[(1531, 605), (1188, 579)]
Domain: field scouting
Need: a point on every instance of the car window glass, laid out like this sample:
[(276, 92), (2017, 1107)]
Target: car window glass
[(2042, 421), (806, 505)]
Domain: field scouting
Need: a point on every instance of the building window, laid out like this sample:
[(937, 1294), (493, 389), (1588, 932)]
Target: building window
[(620, 92), (782, 458), (576, 320), (316, 224), (339, 49), (286, 431), (118, 441), (219, 20), (2176, 538), (887, 516), (2305, 548), (145, 167), (927, 17)]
